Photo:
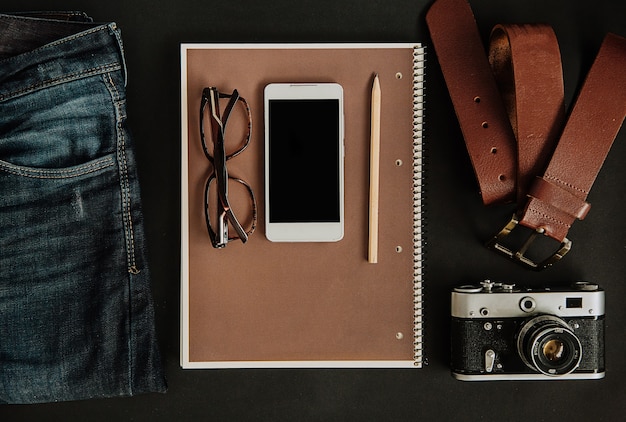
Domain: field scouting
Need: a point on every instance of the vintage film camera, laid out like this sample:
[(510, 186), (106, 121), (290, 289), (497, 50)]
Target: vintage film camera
[(504, 332)]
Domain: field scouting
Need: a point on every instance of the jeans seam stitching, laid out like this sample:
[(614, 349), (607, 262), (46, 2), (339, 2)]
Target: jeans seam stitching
[(126, 216), (124, 183), (62, 79), (56, 174)]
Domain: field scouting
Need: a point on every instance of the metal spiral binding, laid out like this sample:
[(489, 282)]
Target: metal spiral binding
[(419, 64)]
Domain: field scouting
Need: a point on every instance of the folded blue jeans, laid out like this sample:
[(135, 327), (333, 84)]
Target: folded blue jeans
[(76, 311)]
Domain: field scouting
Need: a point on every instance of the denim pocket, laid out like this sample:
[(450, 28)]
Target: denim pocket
[(65, 130)]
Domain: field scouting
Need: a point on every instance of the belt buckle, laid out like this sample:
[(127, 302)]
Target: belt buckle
[(519, 254)]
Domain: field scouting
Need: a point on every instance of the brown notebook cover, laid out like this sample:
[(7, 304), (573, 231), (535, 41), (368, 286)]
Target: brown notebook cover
[(266, 304)]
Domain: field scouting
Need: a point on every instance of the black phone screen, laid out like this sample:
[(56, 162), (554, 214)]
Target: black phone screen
[(304, 161)]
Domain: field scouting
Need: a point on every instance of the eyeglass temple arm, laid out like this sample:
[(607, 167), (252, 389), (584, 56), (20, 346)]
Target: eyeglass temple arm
[(229, 106), (221, 172)]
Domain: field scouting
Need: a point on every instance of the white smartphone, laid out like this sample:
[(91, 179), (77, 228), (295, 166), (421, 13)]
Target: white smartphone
[(304, 162)]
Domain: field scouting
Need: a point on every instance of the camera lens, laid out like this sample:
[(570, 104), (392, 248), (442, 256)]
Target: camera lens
[(553, 350), (546, 344)]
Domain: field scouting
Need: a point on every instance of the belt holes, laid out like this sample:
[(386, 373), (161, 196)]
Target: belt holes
[(502, 178), (485, 125), (494, 150), (477, 100)]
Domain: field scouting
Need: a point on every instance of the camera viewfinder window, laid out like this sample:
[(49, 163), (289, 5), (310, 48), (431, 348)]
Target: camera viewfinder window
[(574, 302)]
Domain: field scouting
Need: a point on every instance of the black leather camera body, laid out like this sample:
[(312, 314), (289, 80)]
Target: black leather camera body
[(503, 332)]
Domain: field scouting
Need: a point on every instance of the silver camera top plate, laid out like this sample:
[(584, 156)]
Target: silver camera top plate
[(495, 300)]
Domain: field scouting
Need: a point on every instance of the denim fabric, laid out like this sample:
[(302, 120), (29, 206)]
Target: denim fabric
[(76, 313)]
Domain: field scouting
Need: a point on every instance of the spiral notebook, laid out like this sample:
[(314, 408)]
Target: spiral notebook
[(264, 304)]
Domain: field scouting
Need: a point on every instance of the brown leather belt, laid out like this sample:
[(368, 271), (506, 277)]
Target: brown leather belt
[(520, 151)]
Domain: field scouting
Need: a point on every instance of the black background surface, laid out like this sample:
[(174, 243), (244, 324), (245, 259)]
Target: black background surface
[(457, 223)]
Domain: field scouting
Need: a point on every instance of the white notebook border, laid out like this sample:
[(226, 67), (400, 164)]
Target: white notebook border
[(418, 78)]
